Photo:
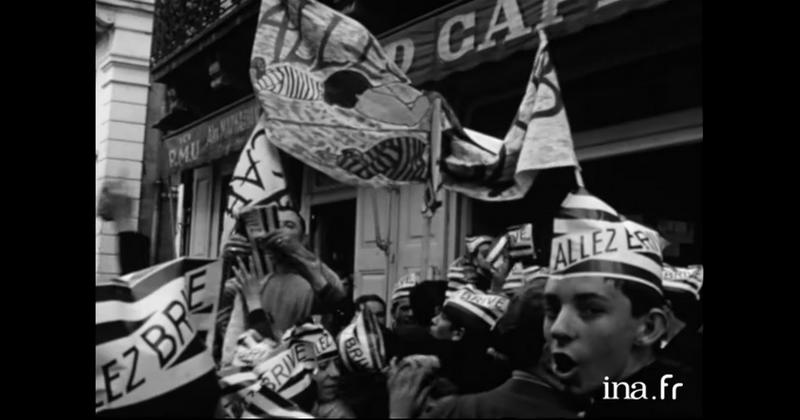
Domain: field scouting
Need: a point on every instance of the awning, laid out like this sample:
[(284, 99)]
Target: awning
[(469, 34), (218, 135)]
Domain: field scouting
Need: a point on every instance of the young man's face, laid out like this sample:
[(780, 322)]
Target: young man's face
[(442, 327), (590, 330), (326, 376), (378, 309), (401, 312), (483, 250), (290, 222)]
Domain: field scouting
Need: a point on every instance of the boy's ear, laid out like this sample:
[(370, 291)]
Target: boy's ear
[(652, 327)]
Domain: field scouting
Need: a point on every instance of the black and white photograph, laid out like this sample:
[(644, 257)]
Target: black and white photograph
[(398, 209)]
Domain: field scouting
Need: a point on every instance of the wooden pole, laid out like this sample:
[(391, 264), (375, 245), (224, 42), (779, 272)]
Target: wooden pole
[(429, 208), (578, 177)]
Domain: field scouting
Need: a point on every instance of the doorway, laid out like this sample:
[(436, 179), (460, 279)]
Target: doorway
[(332, 234)]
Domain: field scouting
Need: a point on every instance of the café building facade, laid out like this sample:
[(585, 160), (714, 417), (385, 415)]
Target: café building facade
[(631, 79)]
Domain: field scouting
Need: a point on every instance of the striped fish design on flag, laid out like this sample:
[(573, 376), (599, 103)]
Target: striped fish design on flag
[(335, 100), (590, 239), (287, 80), (397, 159), (154, 331)]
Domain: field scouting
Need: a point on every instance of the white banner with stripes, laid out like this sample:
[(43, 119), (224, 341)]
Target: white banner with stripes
[(154, 330)]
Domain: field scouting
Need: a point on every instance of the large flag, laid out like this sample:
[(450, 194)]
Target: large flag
[(258, 177), (334, 100), (539, 138), (153, 331)]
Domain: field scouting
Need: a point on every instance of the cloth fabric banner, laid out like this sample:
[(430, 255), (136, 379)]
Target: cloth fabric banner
[(258, 178), (154, 330), (334, 100), (539, 138)]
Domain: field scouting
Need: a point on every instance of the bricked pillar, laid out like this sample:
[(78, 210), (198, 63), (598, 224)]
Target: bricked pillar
[(122, 80)]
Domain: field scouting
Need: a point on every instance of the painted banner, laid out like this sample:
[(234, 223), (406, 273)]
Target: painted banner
[(539, 138), (334, 100), (258, 178), (154, 330), (478, 31)]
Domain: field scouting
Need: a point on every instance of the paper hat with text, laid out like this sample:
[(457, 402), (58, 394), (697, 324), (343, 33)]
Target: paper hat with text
[(475, 309), (404, 285), (590, 239), (361, 344)]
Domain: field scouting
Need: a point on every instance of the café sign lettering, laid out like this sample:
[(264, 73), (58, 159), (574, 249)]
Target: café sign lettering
[(212, 139), (490, 30)]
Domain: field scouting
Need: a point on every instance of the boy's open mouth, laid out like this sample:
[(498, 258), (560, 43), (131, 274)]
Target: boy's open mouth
[(563, 365)]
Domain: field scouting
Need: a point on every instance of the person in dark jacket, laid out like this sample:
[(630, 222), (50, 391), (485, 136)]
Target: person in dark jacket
[(133, 247), (426, 299), (518, 337), (605, 316), (464, 324), (299, 285)]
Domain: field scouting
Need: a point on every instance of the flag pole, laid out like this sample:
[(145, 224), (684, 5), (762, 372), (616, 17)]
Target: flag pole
[(429, 208), (578, 177)]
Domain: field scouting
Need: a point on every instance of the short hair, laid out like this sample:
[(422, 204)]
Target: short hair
[(369, 298), (424, 297), (643, 298), (518, 334)]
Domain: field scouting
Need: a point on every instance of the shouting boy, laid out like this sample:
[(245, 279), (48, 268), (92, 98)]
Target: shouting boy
[(605, 317)]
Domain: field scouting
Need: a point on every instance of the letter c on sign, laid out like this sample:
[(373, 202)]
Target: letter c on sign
[(407, 59), (468, 21)]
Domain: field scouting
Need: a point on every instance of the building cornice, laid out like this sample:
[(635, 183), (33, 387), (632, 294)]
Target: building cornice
[(101, 26), (139, 5)]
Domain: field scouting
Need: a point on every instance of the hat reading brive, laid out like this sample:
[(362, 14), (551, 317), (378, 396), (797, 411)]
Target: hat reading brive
[(473, 242), (404, 285), (683, 280), (521, 275), (474, 308), (361, 343), (320, 340), (590, 239)]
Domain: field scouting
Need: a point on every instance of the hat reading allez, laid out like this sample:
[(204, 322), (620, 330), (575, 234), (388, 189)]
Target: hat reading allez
[(590, 239)]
